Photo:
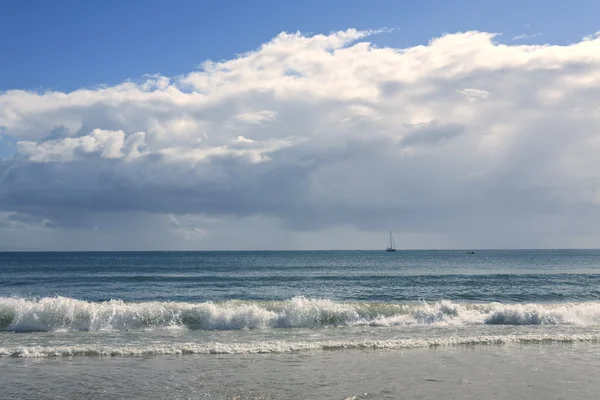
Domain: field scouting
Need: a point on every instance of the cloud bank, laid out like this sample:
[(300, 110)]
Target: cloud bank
[(322, 141)]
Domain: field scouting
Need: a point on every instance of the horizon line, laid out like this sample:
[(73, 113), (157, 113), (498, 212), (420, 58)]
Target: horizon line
[(293, 250)]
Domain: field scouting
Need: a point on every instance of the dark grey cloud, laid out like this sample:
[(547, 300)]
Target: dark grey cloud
[(431, 133)]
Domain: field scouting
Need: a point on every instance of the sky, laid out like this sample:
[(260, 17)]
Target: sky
[(185, 125)]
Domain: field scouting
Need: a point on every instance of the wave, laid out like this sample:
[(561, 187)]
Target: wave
[(287, 347), (61, 313)]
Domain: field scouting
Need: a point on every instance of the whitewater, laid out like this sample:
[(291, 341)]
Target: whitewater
[(67, 314)]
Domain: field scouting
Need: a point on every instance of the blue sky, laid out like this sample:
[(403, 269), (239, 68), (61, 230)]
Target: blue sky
[(64, 45), (439, 131)]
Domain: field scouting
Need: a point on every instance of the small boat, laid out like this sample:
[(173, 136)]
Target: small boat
[(392, 246)]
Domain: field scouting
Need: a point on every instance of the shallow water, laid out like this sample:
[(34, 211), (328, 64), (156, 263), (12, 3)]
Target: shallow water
[(463, 372)]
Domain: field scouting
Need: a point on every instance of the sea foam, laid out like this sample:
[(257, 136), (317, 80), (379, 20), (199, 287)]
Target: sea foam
[(61, 313), (286, 346)]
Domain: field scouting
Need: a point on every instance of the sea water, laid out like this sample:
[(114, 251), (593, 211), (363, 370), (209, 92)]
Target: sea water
[(326, 324)]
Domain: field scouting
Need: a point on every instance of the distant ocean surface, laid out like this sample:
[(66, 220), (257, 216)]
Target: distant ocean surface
[(290, 307)]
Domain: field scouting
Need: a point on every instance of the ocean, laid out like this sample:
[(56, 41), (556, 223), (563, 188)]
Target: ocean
[(496, 324)]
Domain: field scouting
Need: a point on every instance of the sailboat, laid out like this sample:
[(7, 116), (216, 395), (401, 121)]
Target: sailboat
[(392, 246)]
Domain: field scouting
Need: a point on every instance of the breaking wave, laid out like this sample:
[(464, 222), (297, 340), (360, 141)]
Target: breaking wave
[(61, 313), (286, 347)]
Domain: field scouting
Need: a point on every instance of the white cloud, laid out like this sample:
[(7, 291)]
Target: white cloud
[(526, 36), (453, 139), (241, 139), (103, 143), (256, 117), (474, 94)]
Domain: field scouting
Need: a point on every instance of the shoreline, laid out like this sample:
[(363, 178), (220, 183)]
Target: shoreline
[(491, 372)]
